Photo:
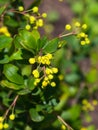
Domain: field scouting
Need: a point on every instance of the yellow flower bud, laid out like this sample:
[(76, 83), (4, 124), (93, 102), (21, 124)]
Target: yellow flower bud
[(32, 60), (44, 83), (83, 42), (84, 26), (35, 9), (44, 15), (68, 27), (53, 84), (12, 116), (5, 125), (54, 70), (21, 8), (27, 27), (35, 73), (77, 24), (32, 19), (50, 76)]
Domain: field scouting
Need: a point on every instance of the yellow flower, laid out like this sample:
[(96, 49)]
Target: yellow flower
[(44, 15), (77, 24), (82, 34), (48, 71), (1, 126), (32, 19), (35, 73), (63, 127), (32, 60), (68, 27), (5, 125), (53, 84), (12, 116), (49, 56), (50, 76), (21, 8), (54, 70), (40, 22), (5, 31), (84, 26), (27, 27), (44, 83), (35, 9), (83, 42)]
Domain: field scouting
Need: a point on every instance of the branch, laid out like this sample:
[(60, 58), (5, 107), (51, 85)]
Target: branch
[(60, 119), (12, 105)]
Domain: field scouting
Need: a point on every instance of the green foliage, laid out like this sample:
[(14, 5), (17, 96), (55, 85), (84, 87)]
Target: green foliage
[(31, 86)]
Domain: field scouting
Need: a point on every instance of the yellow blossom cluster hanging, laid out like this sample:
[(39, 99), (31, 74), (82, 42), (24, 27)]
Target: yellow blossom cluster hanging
[(78, 30), (44, 73), (34, 18), (3, 123)]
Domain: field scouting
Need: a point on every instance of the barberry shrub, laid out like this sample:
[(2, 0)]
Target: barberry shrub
[(29, 78)]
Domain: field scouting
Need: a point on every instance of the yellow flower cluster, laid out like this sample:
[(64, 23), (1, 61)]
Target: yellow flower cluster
[(34, 19), (4, 125), (44, 73), (89, 106), (46, 59), (4, 30), (79, 30)]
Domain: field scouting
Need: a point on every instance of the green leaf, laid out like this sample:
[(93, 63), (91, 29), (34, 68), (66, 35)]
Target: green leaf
[(10, 85), (16, 55), (27, 41), (10, 71), (26, 70), (10, 21), (24, 91), (35, 115), (73, 113), (30, 83), (91, 76), (5, 41), (6, 59), (2, 9), (42, 42), (36, 34), (51, 46)]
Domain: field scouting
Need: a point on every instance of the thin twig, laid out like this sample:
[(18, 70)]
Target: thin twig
[(68, 34), (12, 105), (60, 119)]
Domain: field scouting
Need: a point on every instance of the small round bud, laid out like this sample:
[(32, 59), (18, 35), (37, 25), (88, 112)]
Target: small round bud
[(35, 9), (21, 8), (12, 116), (44, 15), (68, 27), (32, 60), (77, 24), (5, 125), (84, 26), (27, 27), (83, 42), (35, 73), (53, 84)]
